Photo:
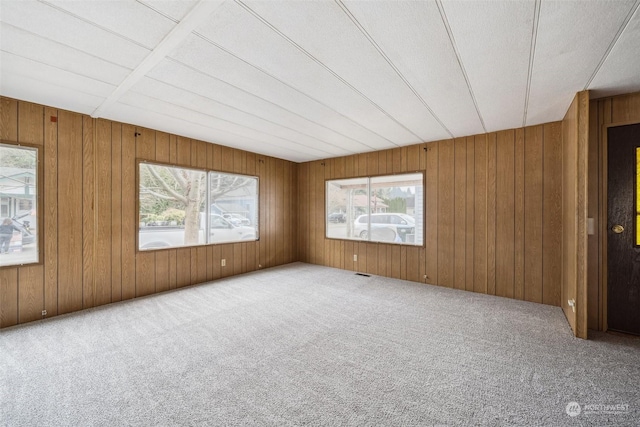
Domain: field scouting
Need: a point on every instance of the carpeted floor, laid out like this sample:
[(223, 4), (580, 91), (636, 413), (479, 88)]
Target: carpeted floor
[(309, 345)]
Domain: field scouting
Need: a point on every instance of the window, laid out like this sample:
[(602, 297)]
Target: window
[(189, 207), (386, 209), (18, 205)]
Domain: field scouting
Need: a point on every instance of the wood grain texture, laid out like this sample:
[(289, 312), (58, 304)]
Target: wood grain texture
[(491, 213), (480, 211), (103, 234), (460, 213), (519, 237), (533, 153), (70, 219), (116, 212), (552, 214), (30, 293), (88, 212), (446, 225), (505, 214), (8, 119), (470, 213), (431, 214), (8, 297), (50, 209), (129, 215)]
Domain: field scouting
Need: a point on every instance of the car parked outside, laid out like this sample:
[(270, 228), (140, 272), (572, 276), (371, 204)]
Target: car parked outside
[(236, 219), (386, 227), (337, 217)]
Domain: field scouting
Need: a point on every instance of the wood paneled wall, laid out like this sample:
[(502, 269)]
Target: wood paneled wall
[(493, 214), (603, 113), (89, 224), (574, 212)]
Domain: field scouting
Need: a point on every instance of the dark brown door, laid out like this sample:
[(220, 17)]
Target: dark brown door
[(623, 236)]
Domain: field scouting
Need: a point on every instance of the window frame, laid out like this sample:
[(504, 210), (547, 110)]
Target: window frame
[(368, 186), (39, 149), (207, 212)]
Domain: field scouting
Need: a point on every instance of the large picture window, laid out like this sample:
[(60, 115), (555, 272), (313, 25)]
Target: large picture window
[(18, 205), (387, 209), (189, 207)]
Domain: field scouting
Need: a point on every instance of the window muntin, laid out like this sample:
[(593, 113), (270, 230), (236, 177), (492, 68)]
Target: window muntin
[(387, 209), (177, 206), (18, 205)]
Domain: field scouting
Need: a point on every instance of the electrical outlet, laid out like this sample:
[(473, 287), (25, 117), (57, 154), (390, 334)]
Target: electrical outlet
[(223, 262), (355, 257), (44, 312)]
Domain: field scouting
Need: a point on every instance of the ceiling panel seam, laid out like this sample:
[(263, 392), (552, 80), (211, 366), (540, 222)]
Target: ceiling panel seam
[(325, 67), (196, 16), (242, 125), (231, 107), (532, 55), (57, 68), (306, 95), (215, 129), (58, 8), (261, 99), (66, 87), (382, 53), (159, 12), (452, 39), (632, 11), (65, 45)]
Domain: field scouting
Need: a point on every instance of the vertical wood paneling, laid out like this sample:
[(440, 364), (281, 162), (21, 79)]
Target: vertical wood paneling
[(552, 214), (8, 297), (69, 212), (30, 123), (470, 212), (89, 223), (446, 223), (88, 212), (30, 293), (460, 213), (533, 153), (103, 268), (491, 213), (480, 211), (50, 209), (505, 213), (519, 237), (9, 119), (129, 214), (431, 214), (116, 212)]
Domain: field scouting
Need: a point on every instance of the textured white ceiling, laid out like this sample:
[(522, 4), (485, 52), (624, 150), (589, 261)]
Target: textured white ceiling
[(312, 80)]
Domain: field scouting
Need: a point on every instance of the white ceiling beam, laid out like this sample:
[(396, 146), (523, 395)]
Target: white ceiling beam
[(194, 19)]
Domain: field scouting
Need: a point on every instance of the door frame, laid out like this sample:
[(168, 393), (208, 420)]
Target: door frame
[(604, 218)]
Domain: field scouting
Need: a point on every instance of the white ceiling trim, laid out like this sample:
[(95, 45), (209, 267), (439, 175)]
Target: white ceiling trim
[(532, 56), (327, 68), (195, 18), (624, 25), (445, 20)]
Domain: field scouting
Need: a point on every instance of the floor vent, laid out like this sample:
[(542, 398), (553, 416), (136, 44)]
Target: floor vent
[(362, 274)]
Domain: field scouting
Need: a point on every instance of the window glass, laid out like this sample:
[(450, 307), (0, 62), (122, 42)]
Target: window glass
[(347, 207), (18, 205), (233, 200), (178, 204), (386, 209)]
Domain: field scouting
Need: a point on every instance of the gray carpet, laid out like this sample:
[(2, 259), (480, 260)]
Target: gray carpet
[(309, 345)]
